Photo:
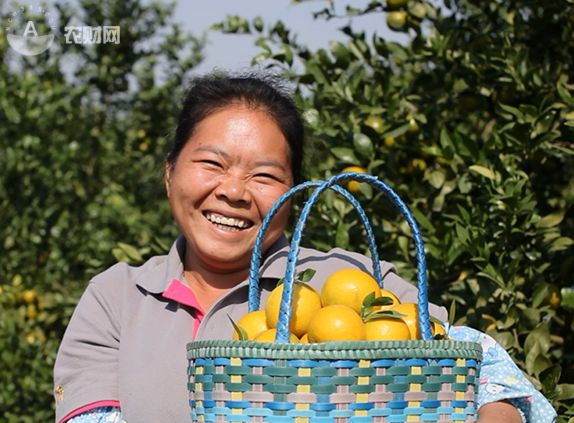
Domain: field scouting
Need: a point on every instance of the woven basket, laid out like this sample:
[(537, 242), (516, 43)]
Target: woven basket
[(364, 381)]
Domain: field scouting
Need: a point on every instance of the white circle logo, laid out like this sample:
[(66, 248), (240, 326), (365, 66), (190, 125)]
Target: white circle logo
[(30, 30)]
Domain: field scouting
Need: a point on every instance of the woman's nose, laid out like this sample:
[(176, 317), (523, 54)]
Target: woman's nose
[(233, 189)]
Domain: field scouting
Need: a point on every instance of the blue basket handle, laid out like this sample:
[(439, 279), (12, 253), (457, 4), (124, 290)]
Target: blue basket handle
[(285, 306), (254, 289)]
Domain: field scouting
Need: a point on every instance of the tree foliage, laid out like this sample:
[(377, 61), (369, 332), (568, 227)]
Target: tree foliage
[(472, 121), (83, 132)]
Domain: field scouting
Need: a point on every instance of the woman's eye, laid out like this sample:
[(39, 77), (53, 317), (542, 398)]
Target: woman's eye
[(267, 176), (211, 163)]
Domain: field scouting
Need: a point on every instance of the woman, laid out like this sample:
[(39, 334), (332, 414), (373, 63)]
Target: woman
[(238, 147)]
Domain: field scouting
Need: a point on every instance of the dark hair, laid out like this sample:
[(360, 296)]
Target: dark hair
[(211, 93)]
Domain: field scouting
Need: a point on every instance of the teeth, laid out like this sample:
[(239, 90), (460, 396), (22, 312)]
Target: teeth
[(227, 221)]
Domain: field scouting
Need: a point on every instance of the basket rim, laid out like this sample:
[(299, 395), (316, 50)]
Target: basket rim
[(342, 350)]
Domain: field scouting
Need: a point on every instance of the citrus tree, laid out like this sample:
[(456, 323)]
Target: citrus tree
[(472, 122), (83, 132)]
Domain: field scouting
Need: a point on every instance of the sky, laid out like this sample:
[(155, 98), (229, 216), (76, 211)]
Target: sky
[(234, 52)]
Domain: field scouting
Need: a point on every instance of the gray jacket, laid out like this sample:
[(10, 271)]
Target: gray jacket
[(126, 340)]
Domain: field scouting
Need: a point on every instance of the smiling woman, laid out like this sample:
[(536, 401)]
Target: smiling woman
[(238, 148), (231, 170)]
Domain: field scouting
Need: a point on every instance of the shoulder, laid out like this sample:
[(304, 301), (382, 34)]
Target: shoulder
[(337, 258), (122, 272)]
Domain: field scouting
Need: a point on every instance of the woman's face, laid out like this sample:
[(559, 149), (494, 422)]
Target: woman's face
[(226, 178)]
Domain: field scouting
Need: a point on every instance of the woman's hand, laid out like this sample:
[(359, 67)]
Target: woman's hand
[(499, 411)]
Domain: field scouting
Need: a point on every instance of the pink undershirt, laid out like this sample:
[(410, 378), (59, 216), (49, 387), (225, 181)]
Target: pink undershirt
[(176, 291)]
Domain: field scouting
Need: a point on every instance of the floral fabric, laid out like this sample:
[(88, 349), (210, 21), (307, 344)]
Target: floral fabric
[(501, 379)]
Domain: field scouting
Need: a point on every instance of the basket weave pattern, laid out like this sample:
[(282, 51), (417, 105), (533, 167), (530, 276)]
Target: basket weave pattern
[(353, 382)]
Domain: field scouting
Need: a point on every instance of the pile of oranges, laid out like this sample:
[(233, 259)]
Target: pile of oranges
[(350, 307)]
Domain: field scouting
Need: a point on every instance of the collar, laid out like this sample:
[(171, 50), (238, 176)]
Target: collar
[(158, 275)]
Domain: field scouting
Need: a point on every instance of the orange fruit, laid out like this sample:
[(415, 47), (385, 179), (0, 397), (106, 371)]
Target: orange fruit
[(438, 329), (411, 317), (29, 295), (336, 323), (354, 186), (304, 304), (253, 324), (270, 334), (386, 329), (376, 123), (349, 287), (397, 19), (305, 339), (414, 127)]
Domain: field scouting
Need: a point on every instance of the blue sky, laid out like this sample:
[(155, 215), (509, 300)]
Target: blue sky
[(235, 52)]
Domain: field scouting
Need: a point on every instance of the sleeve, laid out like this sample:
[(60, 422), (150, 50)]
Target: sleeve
[(86, 366), (99, 415), (501, 379)]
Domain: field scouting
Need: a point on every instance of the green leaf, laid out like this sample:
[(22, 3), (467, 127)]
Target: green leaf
[(561, 244), (385, 313), (567, 297), (363, 145), (484, 171), (344, 154), (342, 235), (368, 300), (366, 190), (382, 301), (539, 337), (241, 333), (306, 275), (452, 312), (549, 378), (422, 220), (126, 252), (436, 178), (551, 220), (541, 292), (397, 132), (564, 392)]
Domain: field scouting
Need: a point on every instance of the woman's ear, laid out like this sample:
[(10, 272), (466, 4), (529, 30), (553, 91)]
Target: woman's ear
[(167, 178)]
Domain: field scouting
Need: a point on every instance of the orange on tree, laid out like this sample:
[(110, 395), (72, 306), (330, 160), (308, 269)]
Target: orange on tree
[(336, 323), (349, 287), (253, 324), (386, 328), (29, 296), (354, 186), (305, 303), (397, 19), (270, 334), (389, 141), (414, 127), (376, 123)]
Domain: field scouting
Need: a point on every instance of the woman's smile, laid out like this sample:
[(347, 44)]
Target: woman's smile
[(227, 223)]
